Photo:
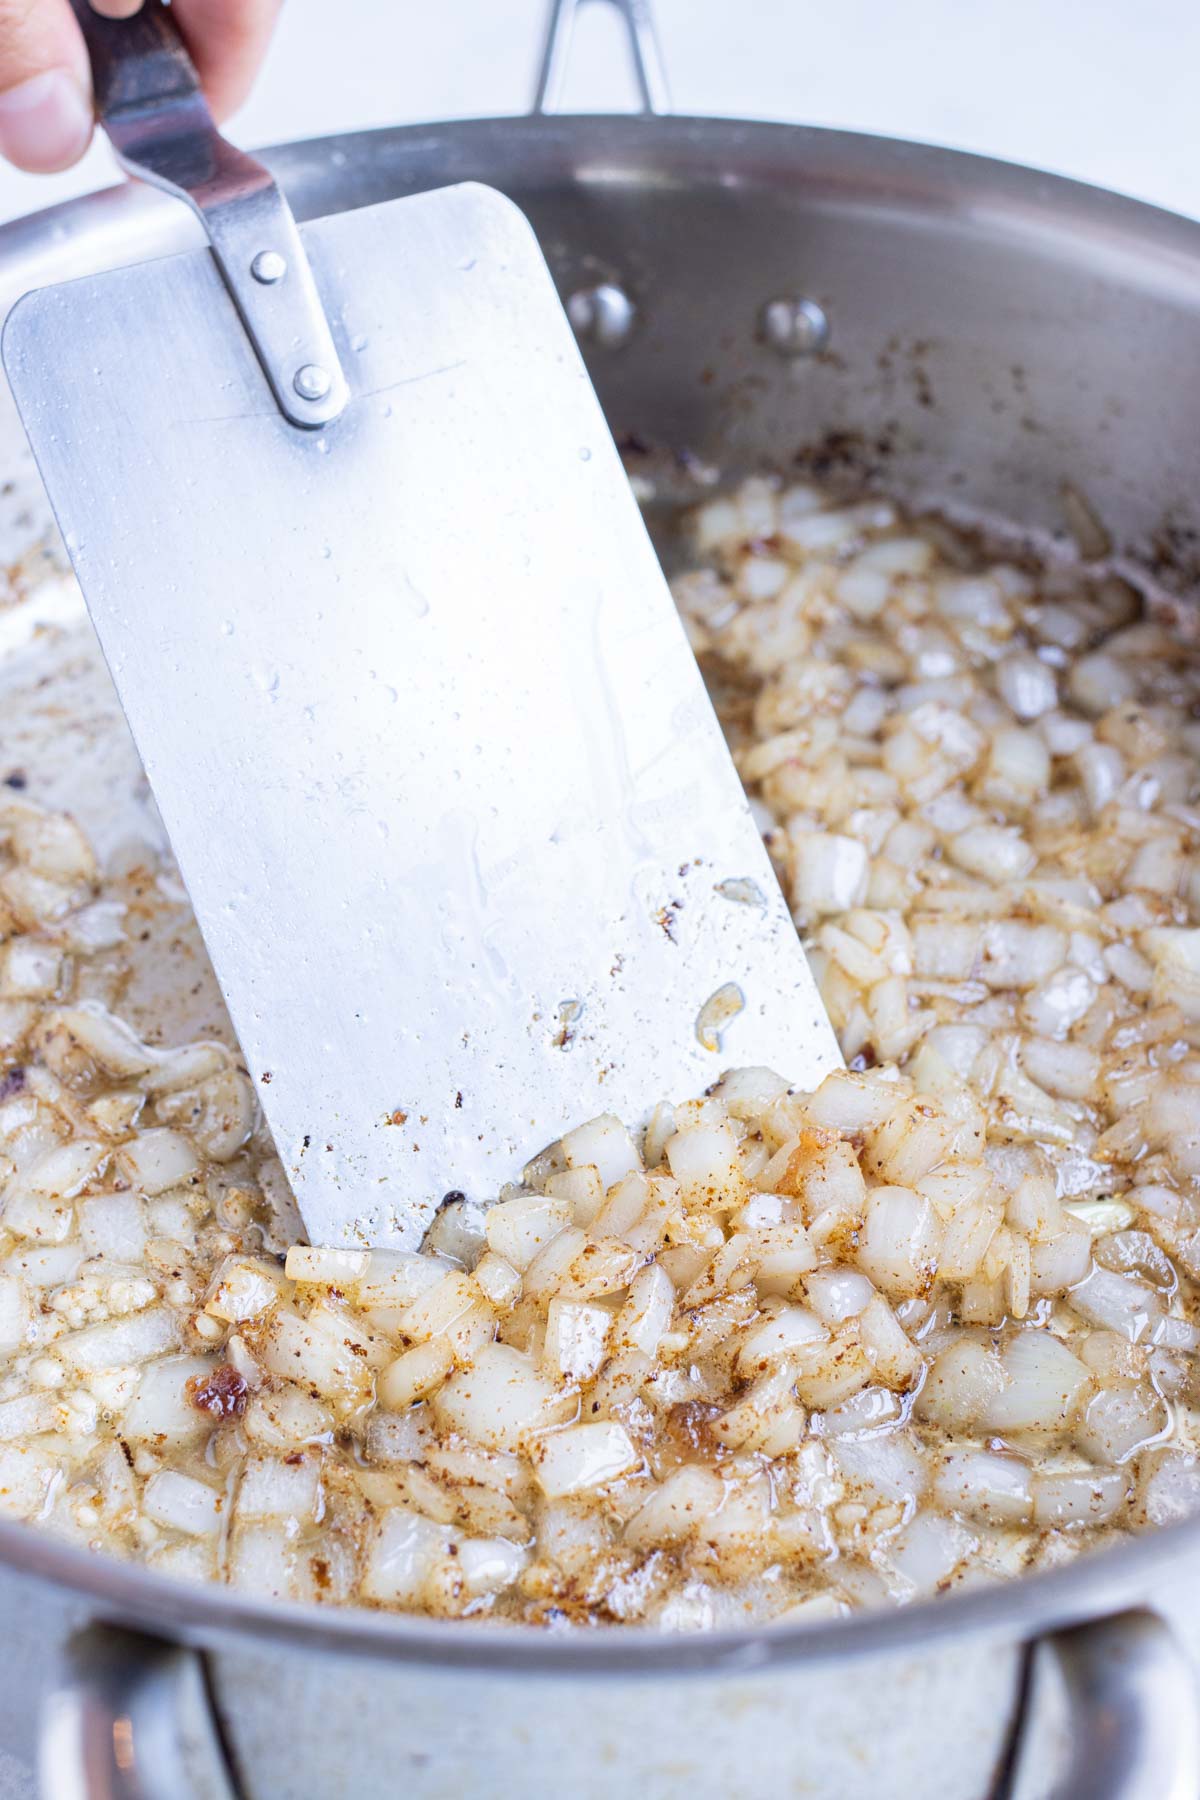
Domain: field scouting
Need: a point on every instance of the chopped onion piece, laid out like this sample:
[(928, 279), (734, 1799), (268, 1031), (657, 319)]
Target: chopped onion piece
[(402, 1556), (1119, 1421), (503, 1400), (576, 1334), (646, 1315), (837, 1294), (1044, 1385), (704, 1160), (785, 1332), (157, 1160), (901, 1241), (1090, 1497), (606, 1145), (993, 1489), (582, 1457), (1117, 1302), (720, 1007), (518, 1229), (326, 1267), (684, 1502), (278, 1487), (182, 1504), (27, 1478)]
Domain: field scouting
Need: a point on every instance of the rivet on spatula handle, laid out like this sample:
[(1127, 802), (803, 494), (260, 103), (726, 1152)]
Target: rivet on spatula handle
[(149, 100)]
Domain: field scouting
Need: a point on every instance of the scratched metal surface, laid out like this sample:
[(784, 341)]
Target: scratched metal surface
[(453, 809)]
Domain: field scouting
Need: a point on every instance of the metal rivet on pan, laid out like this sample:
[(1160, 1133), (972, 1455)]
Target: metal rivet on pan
[(794, 327), (603, 315), (268, 266), (311, 382)]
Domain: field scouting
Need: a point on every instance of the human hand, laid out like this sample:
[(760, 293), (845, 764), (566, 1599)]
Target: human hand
[(45, 83)]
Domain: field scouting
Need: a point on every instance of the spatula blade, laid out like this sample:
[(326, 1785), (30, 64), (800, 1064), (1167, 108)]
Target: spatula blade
[(452, 806)]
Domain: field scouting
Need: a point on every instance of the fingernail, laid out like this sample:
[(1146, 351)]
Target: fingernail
[(45, 122)]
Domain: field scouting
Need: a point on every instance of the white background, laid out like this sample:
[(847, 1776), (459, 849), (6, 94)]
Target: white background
[(1103, 89)]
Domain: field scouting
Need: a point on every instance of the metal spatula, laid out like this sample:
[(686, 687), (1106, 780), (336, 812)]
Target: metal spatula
[(462, 834)]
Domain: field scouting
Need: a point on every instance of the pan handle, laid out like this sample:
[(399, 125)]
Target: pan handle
[(645, 55), (130, 1719), (149, 101), (1132, 1718)]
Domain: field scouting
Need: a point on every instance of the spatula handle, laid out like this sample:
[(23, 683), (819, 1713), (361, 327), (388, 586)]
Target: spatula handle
[(140, 61), (149, 100)]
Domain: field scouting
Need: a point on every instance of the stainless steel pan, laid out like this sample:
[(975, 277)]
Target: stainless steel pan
[(749, 294)]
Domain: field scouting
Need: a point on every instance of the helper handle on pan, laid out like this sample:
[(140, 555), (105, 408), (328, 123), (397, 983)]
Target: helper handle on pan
[(131, 1719), (149, 100), (648, 70), (1132, 1720)]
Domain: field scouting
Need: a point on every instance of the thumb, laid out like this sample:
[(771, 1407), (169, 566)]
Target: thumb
[(45, 86)]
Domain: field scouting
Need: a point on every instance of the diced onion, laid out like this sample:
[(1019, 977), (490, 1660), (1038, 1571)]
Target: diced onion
[(583, 1457), (984, 1486), (502, 1400)]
